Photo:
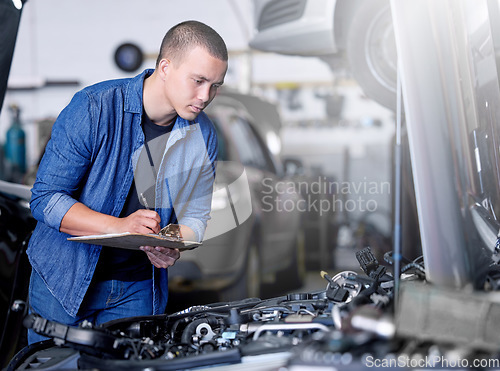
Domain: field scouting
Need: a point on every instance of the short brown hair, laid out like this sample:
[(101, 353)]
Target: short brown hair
[(186, 35)]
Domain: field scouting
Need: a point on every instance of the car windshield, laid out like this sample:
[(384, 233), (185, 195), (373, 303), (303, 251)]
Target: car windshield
[(249, 149)]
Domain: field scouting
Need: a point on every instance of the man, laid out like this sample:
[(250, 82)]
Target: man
[(148, 127)]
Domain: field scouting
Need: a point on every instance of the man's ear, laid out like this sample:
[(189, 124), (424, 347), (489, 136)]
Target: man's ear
[(163, 66)]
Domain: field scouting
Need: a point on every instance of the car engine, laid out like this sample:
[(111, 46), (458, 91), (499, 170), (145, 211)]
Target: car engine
[(351, 323)]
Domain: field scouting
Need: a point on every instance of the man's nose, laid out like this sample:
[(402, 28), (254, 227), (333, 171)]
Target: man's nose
[(204, 94)]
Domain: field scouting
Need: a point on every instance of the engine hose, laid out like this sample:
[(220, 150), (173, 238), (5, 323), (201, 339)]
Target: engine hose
[(416, 266), (190, 329)]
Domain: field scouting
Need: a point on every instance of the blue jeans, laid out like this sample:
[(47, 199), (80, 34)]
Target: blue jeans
[(103, 302)]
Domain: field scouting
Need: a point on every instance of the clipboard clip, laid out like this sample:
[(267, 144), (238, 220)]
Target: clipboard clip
[(172, 231)]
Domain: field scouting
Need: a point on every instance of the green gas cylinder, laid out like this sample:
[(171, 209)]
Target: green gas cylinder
[(15, 147)]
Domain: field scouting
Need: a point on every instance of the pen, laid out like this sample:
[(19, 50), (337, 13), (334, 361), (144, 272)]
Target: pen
[(144, 201)]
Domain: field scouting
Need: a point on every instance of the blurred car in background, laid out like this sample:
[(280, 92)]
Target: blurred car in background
[(254, 235), (352, 35), (16, 224)]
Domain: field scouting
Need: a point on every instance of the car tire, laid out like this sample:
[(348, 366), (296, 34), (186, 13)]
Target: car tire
[(371, 51), (249, 282)]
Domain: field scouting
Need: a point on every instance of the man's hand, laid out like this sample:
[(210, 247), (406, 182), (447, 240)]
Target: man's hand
[(141, 221), (161, 257)]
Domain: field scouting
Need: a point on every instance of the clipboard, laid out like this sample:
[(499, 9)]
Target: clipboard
[(133, 241)]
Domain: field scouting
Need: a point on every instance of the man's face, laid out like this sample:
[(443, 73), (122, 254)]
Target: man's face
[(192, 83)]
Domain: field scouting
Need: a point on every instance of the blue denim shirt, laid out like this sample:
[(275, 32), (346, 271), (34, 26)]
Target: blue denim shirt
[(90, 158)]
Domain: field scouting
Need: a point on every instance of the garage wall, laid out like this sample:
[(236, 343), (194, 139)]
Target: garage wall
[(66, 41), (73, 42)]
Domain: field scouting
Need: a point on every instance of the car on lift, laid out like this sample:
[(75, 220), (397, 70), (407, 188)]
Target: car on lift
[(349, 35)]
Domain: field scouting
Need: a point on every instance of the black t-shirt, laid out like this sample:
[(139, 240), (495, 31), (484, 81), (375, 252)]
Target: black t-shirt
[(133, 265)]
